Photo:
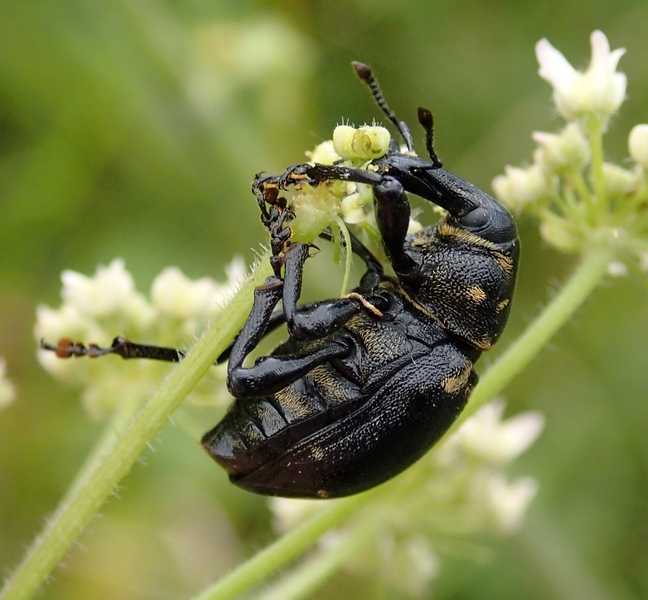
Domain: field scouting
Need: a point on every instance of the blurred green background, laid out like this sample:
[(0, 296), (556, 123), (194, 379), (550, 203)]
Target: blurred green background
[(133, 130)]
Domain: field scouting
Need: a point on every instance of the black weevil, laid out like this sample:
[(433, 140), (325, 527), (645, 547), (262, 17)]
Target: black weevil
[(365, 384)]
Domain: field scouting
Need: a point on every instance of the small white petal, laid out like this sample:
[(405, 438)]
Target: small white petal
[(617, 269), (236, 272), (638, 145), (7, 388), (176, 295), (290, 512), (554, 67), (497, 441), (518, 188), (559, 152), (599, 91), (414, 227), (352, 208), (110, 289), (510, 502)]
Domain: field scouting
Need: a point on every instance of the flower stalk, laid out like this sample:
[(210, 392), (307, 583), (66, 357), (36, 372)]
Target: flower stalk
[(101, 477), (585, 206), (583, 281)]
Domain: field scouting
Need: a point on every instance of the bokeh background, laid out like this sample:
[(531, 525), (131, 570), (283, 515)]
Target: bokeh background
[(133, 130)]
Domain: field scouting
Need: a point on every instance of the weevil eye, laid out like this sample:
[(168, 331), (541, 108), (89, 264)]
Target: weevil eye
[(476, 219)]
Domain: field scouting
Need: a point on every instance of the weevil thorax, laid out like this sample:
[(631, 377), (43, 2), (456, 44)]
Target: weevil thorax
[(462, 281)]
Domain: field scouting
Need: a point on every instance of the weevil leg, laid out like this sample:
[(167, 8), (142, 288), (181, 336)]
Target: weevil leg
[(315, 321), (266, 298), (392, 217), (368, 282), (273, 373), (276, 320), (320, 319)]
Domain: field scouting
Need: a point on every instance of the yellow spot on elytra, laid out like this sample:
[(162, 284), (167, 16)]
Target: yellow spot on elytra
[(454, 383), (317, 453), (476, 294)]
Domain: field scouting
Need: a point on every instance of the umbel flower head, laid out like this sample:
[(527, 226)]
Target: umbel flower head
[(320, 206), (599, 90), (581, 200), (97, 309)]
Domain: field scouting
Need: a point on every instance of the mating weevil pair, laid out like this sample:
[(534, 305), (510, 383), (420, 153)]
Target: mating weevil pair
[(365, 384)]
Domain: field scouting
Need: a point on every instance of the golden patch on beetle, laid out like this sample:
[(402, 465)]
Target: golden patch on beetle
[(317, 453), (445, 229), (476, 294), (482, 343), (502, 305), (505, 262), (370, 307), (456, 382), (298, 176), (291, 401), (323, 494)]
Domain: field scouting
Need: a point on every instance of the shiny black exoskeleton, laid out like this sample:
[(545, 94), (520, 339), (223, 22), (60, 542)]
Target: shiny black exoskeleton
[(365, 384)]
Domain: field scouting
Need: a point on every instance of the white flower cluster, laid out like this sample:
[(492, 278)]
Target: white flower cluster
[(569, 186), (460, 491), (318, 207), (99, 308), (7, 388)]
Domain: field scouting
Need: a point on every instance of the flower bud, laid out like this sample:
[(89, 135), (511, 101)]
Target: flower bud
[(365, 143), (561, 234), (324, 154), (638, 145), (562, 152), (619, 181), (599, 91), (519, 187)]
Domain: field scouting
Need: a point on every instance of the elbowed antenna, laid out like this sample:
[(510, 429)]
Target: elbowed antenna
[(366, 74), (66, 348), (427, 122)]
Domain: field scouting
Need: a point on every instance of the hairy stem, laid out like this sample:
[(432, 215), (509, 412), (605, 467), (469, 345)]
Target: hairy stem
[(286, 548), (311, 574), (595, 127), (104, 470), (518, 355), (577, 289)]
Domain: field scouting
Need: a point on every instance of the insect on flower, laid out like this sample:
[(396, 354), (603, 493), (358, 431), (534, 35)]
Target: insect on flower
[(367, 383)]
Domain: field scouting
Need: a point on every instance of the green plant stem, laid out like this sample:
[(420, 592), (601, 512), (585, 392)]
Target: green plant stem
[(106, 468), (582, 283), (595, 127), (286, 548), (518, 355), (306, 578)]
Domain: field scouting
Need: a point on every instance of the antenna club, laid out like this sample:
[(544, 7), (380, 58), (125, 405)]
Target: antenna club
[(425, 117), (363, 71), (427, 122)]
